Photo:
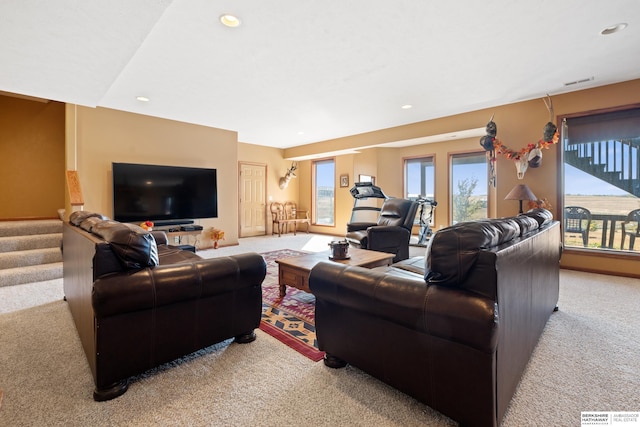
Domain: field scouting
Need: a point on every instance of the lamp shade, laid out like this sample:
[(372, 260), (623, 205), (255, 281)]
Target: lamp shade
[(521, 192)]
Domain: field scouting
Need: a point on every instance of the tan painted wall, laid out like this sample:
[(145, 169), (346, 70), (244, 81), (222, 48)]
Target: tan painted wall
[(344, 202), (277, 167), (97, 137), (518, 125), (32, 152)]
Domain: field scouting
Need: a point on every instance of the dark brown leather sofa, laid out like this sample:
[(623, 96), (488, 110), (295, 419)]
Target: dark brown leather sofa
[(138, 302), (454, 329)]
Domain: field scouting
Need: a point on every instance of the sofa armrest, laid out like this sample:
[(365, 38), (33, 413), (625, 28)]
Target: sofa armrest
[(387, 232), (154, 287), (358, 226), (160, 236), (451, 314), (389, 238)]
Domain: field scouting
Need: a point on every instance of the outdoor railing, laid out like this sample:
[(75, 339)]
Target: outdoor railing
[(606, 227)]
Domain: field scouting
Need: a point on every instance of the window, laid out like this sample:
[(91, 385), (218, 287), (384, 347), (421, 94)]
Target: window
[(324, 184), (469, 187), (601, 168), (419, 176)]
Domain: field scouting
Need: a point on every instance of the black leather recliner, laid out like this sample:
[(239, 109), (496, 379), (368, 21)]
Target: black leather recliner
[(392, 231)]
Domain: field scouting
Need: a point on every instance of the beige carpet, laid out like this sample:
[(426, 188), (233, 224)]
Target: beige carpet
[(587, 360)]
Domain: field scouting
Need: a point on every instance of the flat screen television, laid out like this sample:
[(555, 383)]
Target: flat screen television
[(163, 194)]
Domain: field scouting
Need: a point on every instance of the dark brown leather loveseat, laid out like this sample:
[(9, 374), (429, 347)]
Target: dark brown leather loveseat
[(138, 302), (454, 329)]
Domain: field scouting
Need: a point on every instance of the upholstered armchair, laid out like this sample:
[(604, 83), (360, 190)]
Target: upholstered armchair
[(391, 232)]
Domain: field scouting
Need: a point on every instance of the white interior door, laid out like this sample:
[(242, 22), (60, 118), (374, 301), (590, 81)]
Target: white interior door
[(253, 200)]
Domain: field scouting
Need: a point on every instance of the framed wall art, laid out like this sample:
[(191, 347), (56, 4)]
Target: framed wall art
[(367, 178)]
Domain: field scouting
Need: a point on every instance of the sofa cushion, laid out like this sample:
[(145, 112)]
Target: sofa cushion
[(88, 223), (526, 223), (396, 212), (541, 215), (452, 252), (168, 254), (77, 217), (135, 247)]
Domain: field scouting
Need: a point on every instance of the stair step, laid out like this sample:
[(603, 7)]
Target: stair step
[(582, 158), (28, 242), (17, 259), (21, 228), (34, 273)]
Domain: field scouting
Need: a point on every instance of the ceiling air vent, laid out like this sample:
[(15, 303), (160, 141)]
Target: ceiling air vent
[(579, 81)]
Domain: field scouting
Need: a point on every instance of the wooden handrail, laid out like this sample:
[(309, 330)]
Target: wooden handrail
[(73, 185)]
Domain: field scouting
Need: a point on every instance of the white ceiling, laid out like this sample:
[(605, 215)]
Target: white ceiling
[(297, 72)]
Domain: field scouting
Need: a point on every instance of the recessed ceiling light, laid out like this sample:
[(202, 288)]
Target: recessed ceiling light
[(142, 98), (406, 106), (301, 133), (229, 20), (614, 29)]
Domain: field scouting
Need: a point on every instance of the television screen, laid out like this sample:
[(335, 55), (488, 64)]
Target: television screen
[(169, 194)]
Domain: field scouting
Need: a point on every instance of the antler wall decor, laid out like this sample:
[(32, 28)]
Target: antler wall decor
[(529, 156), (284, 181)]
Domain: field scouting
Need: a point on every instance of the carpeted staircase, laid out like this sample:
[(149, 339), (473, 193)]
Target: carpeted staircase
[(30, 251)]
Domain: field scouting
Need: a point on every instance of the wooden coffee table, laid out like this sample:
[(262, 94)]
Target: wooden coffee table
[(294, 271)]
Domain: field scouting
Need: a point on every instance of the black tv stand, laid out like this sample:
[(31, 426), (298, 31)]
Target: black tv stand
[(175, 235)]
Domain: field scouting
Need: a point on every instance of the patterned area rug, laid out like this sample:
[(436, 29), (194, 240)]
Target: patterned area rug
[(289, 319)]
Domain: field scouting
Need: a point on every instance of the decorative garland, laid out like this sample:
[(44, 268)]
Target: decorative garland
[(543, 143), (531, 154)]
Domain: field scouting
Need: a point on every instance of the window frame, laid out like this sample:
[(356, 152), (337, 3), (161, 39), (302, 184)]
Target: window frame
[(560, 200), (406, 161), (314, 201), (470, 153)]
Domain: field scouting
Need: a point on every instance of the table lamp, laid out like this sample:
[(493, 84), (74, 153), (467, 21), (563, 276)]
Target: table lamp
[(521, 192)]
